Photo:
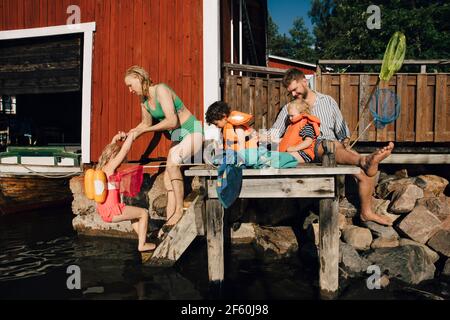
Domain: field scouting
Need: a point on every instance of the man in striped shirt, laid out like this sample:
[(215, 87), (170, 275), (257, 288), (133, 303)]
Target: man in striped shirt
[(333, 127)]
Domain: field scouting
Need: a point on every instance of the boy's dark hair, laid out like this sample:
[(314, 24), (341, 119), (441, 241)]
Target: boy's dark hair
[(291, 75), (217, 111)]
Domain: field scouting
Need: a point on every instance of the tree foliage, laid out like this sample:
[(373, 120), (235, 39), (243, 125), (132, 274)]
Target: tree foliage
[(341, 30)]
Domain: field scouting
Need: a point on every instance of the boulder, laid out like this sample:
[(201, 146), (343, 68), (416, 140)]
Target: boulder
[(441, 242), (245, 234), (446, 270), (80, 204), (439, 206), (275, 242), (381, 231), (420, 224), (434, 257), (342, 222), (434, 185), (350, 261), (359, 238), (347, 209), (400, 174), (93, 225), (404, 199), (157, 197), (384, 243), (408, 263), (391, 184)]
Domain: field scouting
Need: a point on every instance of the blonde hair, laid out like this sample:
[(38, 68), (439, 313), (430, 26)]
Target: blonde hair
[(143, 76), (301, 106), (109, 152)]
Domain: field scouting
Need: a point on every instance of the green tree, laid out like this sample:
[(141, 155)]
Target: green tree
[(279, 45), (341, 31), (303, 42)]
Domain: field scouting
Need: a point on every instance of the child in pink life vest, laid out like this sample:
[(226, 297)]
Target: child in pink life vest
[(112, 210)]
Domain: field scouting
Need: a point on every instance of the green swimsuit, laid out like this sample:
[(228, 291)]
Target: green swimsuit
[(191, 125)]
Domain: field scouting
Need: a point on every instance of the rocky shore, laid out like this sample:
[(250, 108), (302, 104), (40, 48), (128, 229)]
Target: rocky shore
[(414, 249)]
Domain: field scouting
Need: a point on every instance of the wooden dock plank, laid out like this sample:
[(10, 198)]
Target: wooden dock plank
[(281, 188)]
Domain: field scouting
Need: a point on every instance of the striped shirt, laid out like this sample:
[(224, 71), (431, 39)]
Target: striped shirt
[(307, 132), (332, 123)]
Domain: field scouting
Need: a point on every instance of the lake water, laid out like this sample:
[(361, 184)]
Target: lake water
[(37, 248)]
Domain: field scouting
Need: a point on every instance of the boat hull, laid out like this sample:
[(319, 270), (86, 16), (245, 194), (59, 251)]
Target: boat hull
[(19, 193)]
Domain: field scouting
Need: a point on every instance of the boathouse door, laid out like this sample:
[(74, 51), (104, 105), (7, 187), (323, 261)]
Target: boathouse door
[(45, 87)]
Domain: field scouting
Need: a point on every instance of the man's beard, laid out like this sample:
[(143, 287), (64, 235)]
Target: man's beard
[(305, 94)]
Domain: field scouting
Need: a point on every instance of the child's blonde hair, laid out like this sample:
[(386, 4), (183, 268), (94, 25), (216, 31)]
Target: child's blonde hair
[(300, 106), (109, 152)]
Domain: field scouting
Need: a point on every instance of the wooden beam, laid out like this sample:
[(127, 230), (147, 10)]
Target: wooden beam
[(281, 188), (214, 236), (358, 61), (304, 170), (416, 158), (178, 239)]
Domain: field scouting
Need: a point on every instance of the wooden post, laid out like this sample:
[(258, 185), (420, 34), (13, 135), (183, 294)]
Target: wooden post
[(329, 248), (214, 236), (329, 233)]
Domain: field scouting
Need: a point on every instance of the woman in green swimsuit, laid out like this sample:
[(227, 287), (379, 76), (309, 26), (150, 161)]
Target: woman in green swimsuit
[(160, 102)]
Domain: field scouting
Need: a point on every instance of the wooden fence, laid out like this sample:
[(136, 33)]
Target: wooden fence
[(425, 101)]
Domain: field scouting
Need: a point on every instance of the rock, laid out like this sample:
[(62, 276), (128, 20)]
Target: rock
[(311, 218), (380, 231), (93, 225), (434, 185), (384, 281), (408, 263), (391, 184), (245, 234), (380, 206), (404, 199), (342, 221), (80, 204), (441, 242), (403, 173), (420, 224), (313, 233), (384, 243), (275, 242), (434, 257), (446, 271), (437, 205), (350, 260), (347, 209), (157, 197), (359, 238)]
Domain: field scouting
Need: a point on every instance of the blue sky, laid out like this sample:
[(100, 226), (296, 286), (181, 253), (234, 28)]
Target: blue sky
[(284, 12)]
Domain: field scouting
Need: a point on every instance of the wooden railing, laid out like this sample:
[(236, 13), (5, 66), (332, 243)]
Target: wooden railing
[(255, 90), (424, 111), (425, 100)]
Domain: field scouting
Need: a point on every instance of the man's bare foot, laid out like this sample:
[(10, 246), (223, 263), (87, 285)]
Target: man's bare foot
[(147, 247), (383, 220), (370, 163)]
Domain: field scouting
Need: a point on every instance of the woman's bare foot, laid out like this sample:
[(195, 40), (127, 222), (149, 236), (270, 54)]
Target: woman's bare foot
[(147, 247), (383, 220), (370, 163)]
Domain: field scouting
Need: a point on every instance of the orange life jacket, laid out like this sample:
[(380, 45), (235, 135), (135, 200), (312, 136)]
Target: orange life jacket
[(230, 138), (292, 136)]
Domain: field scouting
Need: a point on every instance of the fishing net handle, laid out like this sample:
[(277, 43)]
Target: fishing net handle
[(366, 105), (360, 135)]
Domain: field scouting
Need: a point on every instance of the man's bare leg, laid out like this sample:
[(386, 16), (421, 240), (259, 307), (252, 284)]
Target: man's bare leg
[(366, 187), (368, 163)]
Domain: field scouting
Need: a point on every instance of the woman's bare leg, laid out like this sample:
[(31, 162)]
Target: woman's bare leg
[(190, 145), (171, 201), (130, 213)]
